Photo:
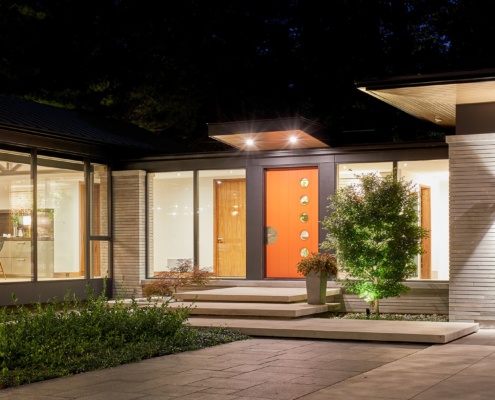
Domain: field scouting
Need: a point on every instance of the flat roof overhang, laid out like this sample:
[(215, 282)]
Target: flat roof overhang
[(434, 97), (271, 134)]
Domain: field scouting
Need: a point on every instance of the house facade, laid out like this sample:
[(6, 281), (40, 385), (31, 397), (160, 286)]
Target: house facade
[(112, 205)]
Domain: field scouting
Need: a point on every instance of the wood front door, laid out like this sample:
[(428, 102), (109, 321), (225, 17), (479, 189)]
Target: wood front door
[(291, 219), (230, 228), (425, 203)]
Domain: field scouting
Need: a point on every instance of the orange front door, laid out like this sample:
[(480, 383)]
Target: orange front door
[(291, 219)]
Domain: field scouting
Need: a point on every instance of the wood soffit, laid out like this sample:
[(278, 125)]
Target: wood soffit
[(433, 100), (273, 134)]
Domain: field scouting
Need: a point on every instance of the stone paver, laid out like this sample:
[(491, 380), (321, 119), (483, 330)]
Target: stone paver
[(287, 369)]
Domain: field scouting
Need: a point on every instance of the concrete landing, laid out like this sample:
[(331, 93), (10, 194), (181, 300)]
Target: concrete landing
[(261, 310), (345, 329), (250, 294)]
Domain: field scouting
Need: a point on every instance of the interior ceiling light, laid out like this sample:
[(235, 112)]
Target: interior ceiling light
[(293, 139), (249, 142), (438, 119)]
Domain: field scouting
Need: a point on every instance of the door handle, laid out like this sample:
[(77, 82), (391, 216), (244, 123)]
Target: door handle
[(271, 235), (219, 239)]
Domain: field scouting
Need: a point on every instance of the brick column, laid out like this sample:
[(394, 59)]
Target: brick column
[(472, 228), (129, 231)]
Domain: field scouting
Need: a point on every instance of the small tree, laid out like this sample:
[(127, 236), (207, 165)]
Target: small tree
[(373, 229)]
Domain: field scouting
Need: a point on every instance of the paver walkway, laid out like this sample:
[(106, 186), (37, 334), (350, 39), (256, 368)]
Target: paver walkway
[(286, 369)]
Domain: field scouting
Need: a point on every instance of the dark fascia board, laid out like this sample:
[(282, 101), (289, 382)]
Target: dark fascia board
[(482, 75), (26, 140), (23, 138), (289, 153), (312, 128), (357, 153)]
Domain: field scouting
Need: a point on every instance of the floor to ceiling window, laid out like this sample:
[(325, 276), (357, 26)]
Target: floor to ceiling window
[(61, 226), (16, 212), (222, 222), (53, 242), (431, 180), (100, 221), (198, 216), (171, 219)]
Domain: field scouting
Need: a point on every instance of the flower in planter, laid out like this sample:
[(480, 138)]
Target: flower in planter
[(318, 262)]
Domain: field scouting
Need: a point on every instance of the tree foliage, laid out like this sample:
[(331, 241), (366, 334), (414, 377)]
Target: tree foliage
[(373, 229), (173, 67)]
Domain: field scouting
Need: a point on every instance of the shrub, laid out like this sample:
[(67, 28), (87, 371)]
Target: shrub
[(183, 274), (68, 337), (159, 287)]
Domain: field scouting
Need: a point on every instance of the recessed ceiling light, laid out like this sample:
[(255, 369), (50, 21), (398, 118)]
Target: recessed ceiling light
[(293, 139), (250, 142)]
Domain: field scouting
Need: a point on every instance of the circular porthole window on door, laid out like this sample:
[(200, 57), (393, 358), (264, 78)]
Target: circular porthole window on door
[(304, 235), (304, 200), (304, 217), (304, 182)]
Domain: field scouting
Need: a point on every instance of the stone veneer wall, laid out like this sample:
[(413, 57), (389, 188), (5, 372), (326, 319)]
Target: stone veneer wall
[(472, 231), (424, 297), (129, 231)]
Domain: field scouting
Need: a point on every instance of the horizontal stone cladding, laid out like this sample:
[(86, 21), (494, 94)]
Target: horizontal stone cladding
[(129, 251), (472, 231), (424, 297)]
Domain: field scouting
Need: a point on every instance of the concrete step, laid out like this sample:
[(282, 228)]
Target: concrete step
[(344, 329), (257, 310), (250, 294)]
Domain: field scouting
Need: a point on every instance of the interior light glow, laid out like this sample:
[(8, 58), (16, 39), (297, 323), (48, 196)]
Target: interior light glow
[(249, 142), (293, 139)]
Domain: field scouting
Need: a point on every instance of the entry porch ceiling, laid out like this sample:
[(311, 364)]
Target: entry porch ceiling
[(271, 134), (434, 97)]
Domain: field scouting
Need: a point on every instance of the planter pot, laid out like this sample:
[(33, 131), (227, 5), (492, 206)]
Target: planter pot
[(316, 287)]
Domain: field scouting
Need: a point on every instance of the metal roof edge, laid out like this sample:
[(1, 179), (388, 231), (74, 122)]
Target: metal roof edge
[(428, 79)]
